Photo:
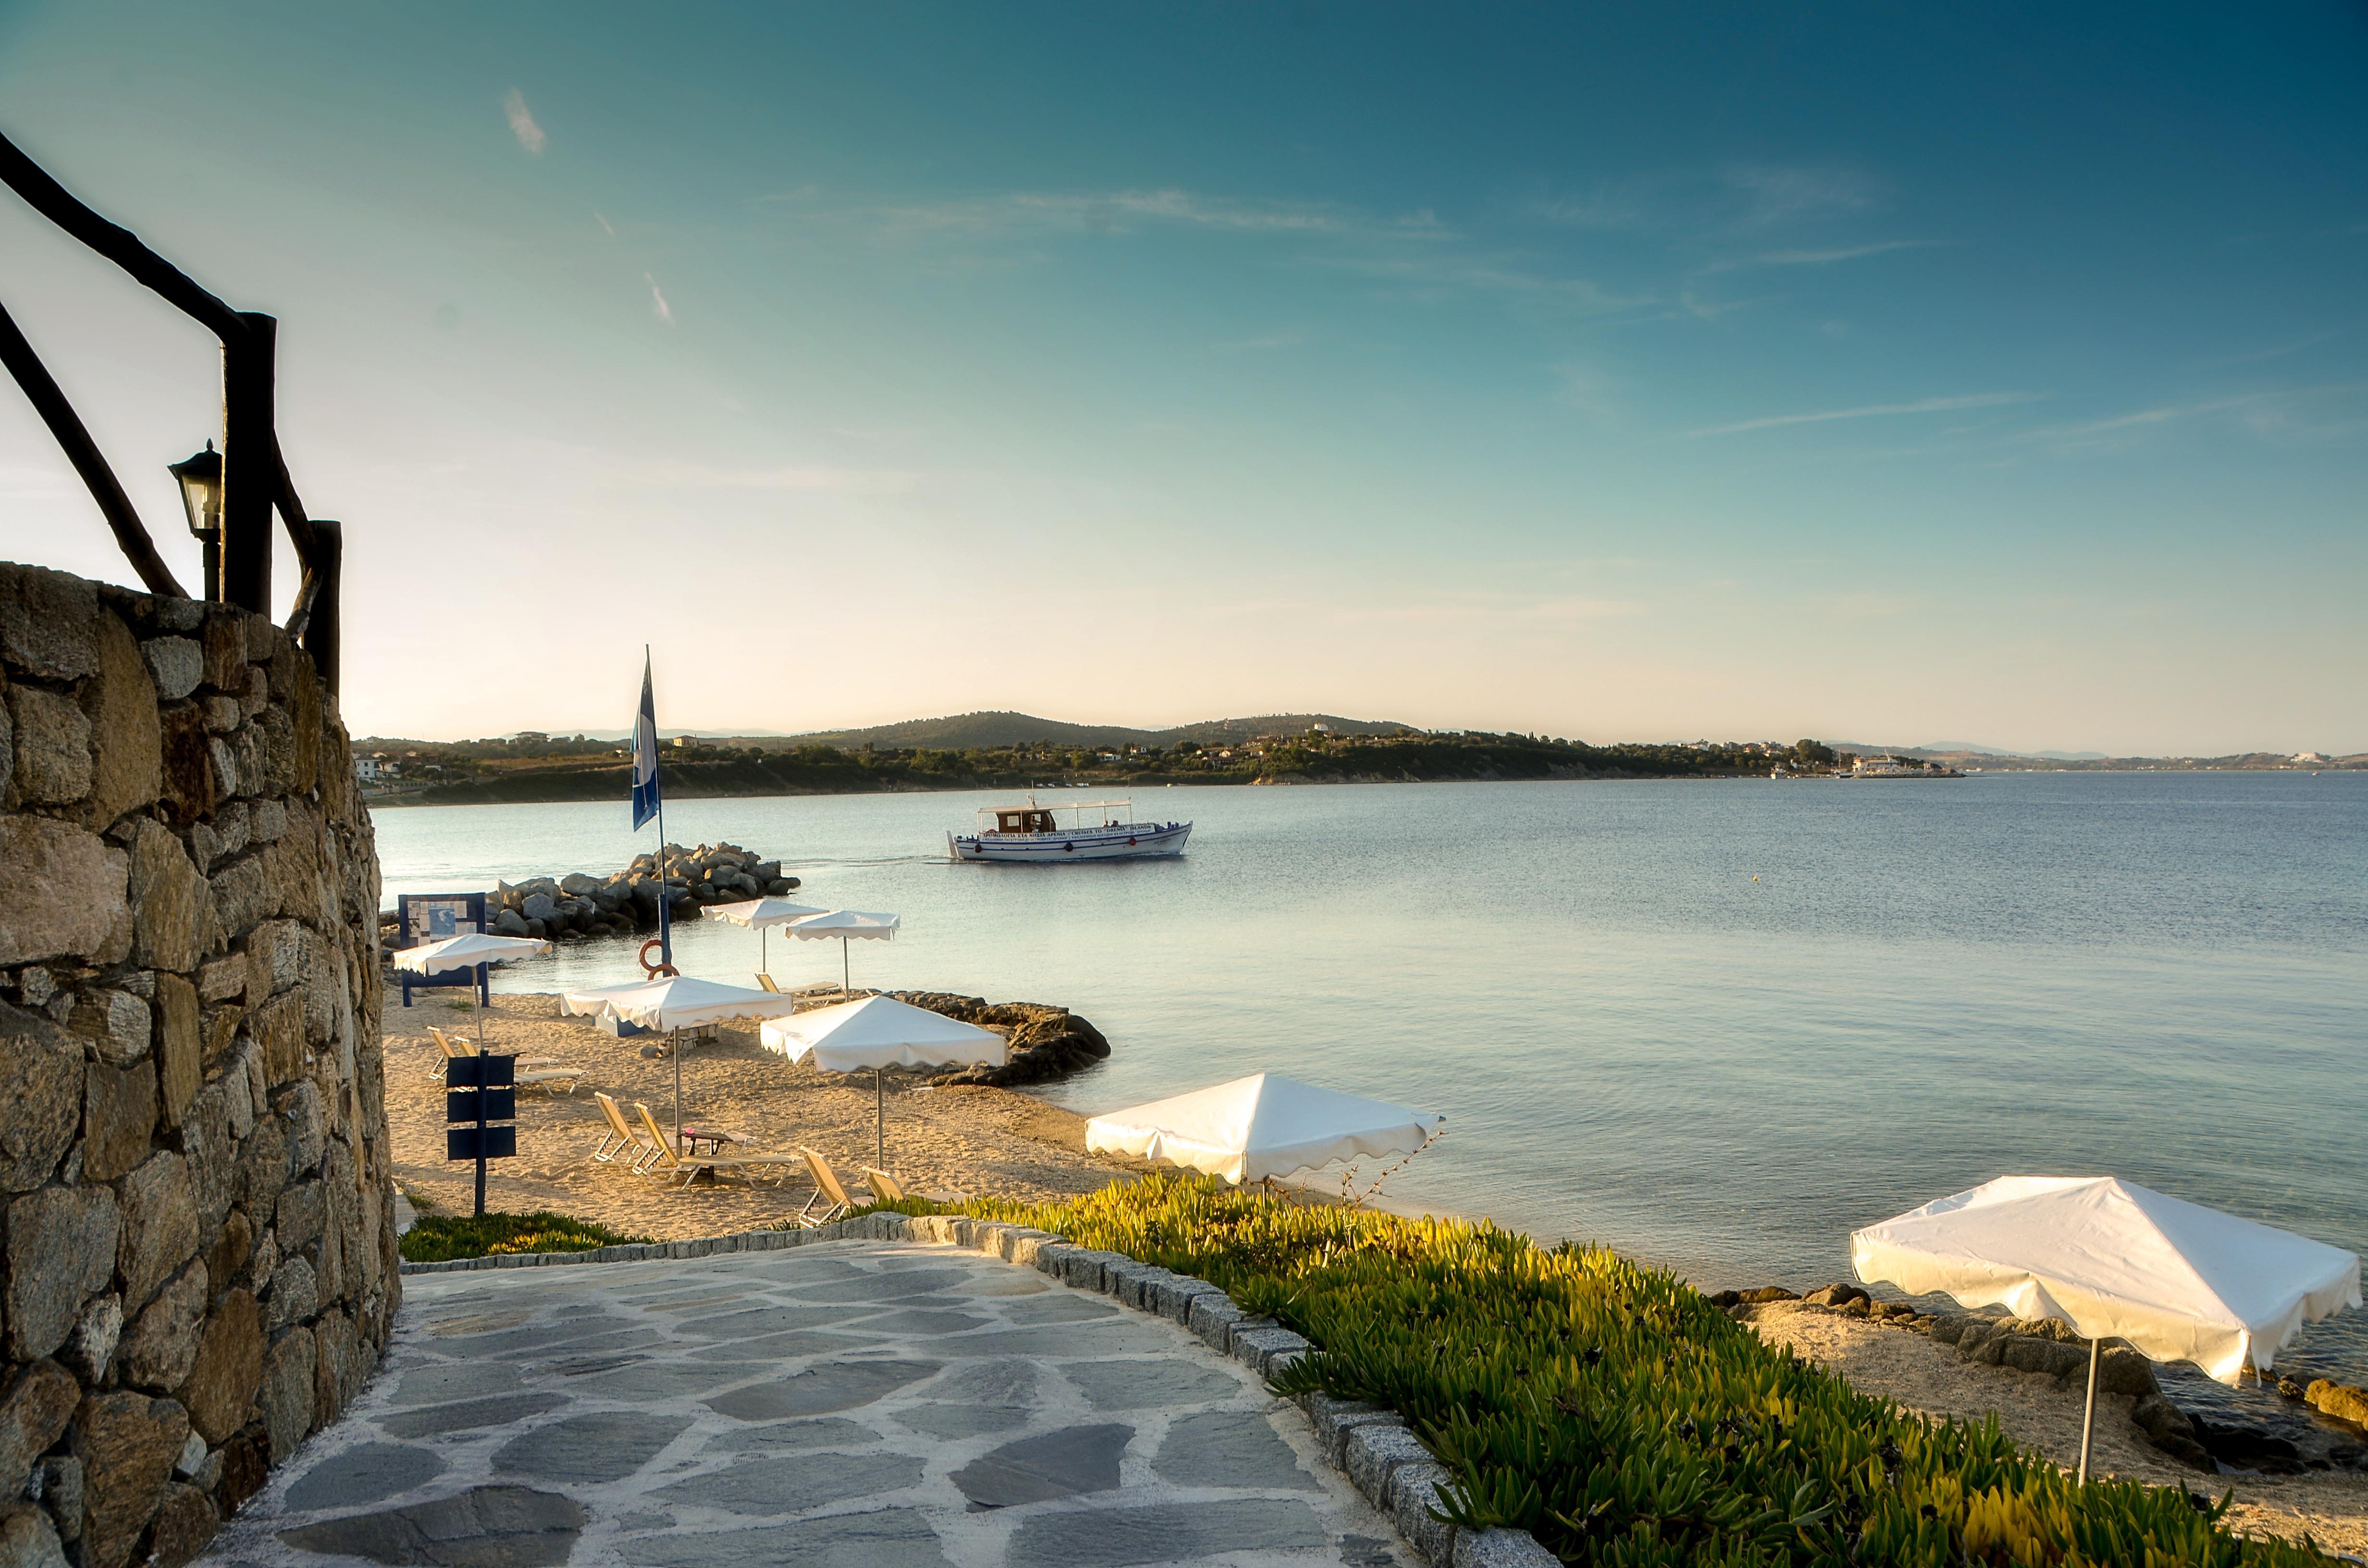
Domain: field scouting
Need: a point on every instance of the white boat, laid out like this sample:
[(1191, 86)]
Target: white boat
[(1032, 834)]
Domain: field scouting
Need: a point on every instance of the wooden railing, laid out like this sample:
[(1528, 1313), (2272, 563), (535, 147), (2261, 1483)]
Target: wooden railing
[(254, 472)]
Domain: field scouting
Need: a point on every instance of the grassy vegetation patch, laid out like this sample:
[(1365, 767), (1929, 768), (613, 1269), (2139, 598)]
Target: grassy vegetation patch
[(439, 1238), (1619, 1416)]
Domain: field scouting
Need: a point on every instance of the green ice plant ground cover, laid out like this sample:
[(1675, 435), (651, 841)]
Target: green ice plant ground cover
[(440, 1238), (1614, 1413)]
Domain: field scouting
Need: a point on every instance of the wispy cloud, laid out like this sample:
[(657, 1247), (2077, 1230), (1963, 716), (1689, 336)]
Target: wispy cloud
[(2279, 351), (658, 300), (605, 227), (1118, 212), (1289, 337), (522, 125), (1821, 258), (1874, 410), (1778, 195)]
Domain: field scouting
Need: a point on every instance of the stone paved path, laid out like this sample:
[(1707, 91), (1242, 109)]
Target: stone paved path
[(840, 1405)]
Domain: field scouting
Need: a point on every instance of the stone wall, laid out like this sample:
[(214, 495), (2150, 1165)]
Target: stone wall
[(198, 1264)]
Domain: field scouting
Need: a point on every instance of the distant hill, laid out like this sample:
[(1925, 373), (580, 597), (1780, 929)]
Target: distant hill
[(1003, 729), (1940, 749)]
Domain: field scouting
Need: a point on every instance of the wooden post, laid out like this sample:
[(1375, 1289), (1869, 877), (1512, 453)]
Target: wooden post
[(250, 463), (322, 631)]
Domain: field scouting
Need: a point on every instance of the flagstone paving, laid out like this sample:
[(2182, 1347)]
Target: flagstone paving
[(847, 1404)]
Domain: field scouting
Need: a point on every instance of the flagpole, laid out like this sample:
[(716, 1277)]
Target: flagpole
[(666, 890)]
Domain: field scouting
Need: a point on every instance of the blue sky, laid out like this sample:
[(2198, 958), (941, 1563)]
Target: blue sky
[(1645, 372)]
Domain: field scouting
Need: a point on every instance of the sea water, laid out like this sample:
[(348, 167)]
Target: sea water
[(1715, 1024)]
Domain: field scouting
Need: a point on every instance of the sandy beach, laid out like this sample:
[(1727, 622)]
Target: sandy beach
[(1910, 1369), (982, 1141)]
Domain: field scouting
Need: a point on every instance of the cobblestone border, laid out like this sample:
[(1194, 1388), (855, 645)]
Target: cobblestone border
[(1371, 1445)]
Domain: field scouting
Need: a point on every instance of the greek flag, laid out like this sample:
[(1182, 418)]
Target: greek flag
[(646, 752)]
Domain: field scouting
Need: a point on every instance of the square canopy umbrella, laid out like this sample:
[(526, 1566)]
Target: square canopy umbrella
[(2181, 1283), (879, 1032), (763, 913), (677, 1002), (470, 951), (1265, 1125), (846, 924)]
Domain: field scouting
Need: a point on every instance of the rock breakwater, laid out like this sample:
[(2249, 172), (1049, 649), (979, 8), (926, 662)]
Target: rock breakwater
[(1046, 1043), (621, 903)]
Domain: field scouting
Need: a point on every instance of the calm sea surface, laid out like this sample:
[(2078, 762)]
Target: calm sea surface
[(1714, 1024)]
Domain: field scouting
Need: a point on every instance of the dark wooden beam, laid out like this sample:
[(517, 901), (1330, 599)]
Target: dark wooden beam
[(250, 463), (120, 246), (291, 508), (50, 403), (322, 628)]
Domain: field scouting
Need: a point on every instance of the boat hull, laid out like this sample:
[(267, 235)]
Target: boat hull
[(1119, 841)]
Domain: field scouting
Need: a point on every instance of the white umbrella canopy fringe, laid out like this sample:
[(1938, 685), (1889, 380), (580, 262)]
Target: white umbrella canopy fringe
[(2176, 1280), (846, 924), (1262, 1126), (472, 950), (879, 1032)]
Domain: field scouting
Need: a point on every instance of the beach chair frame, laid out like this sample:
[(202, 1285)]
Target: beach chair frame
[(828, 1191)]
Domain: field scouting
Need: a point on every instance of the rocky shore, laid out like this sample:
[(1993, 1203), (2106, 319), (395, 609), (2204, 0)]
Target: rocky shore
[(579, 905), (1046, 1043), (2049, 1346)]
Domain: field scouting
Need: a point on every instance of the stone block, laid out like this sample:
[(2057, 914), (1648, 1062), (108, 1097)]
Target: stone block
[(301, 1210), (40, 1401), (47, 623), (1334, 1419), (61, 1247), (175, 665), (66, 894), (277, 1026), (2339, 1400), (119, 1022), (1083, 1269), (119, 1118), (288, 1395), (224, 980), (294, 1294), (52, 766), (241, 899), (61, 1493), (1501, 1549), (1414, 1493), (308, 1125), (1213, 1319), (224, 642), (162, 1348), (28, 1540), (2124, 1372), (160, 1226), (1374, 1453), (1125, 1278), (172, 906), (1261, 1349), (40, 1096), (179, 1049), (220, 1389), (185, 1521), (127, 1443), (89, 1349), (2047, 1355), (186, 786), (128, 741)]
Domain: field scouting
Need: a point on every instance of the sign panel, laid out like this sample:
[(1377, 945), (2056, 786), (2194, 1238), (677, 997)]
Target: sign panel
[(461, 1105), (421, 918), (480, 1072), (461, 1144)]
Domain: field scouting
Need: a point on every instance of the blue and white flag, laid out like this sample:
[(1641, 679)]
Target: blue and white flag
[(646, 752)]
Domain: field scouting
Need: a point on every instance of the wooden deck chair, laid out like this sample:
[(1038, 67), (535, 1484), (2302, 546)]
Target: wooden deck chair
[(620, 1140), (447, 1051), (827, 1192), (550, 1079), (669, 1160), (464, 1046), (766, 982), (886, 1188)]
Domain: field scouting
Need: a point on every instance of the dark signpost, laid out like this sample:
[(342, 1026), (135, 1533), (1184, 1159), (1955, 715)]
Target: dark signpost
[(479, 1090)]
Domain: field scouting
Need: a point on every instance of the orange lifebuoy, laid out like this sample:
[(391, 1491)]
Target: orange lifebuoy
[(654, 970)]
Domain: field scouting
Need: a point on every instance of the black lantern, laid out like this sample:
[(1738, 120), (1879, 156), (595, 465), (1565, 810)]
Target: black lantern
[(200, 478)]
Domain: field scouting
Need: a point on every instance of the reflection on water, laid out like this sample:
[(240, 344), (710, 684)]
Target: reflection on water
[(1930, 984)]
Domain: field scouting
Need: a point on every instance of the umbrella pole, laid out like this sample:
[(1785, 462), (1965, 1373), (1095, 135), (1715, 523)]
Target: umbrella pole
[(674, 1044), (879, 1119), (846, 975), (2089, 1415), (482, 999)]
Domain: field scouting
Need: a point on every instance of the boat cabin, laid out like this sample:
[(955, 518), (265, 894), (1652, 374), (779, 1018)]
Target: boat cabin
[(1024, 819)]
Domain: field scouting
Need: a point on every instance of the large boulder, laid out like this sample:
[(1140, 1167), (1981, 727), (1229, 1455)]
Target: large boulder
[(62, 1244), (539, 906)]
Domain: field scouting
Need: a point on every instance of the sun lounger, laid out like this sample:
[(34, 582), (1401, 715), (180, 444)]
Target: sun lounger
[(886, 1188), (621, 1141), (827, 1192), (467, 1047), (545, 1073), (766, 982), (666, 1160)]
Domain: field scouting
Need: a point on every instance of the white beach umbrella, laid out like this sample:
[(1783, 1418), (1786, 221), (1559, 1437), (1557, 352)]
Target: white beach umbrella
[(2181, 1283), (879, 1032), (846, 924), (1262, 1126), (677, 1002), (468, 953), (763, 913)]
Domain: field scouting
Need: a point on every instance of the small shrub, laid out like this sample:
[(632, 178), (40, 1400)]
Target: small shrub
[(1620, 1417), (439, 1238)]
